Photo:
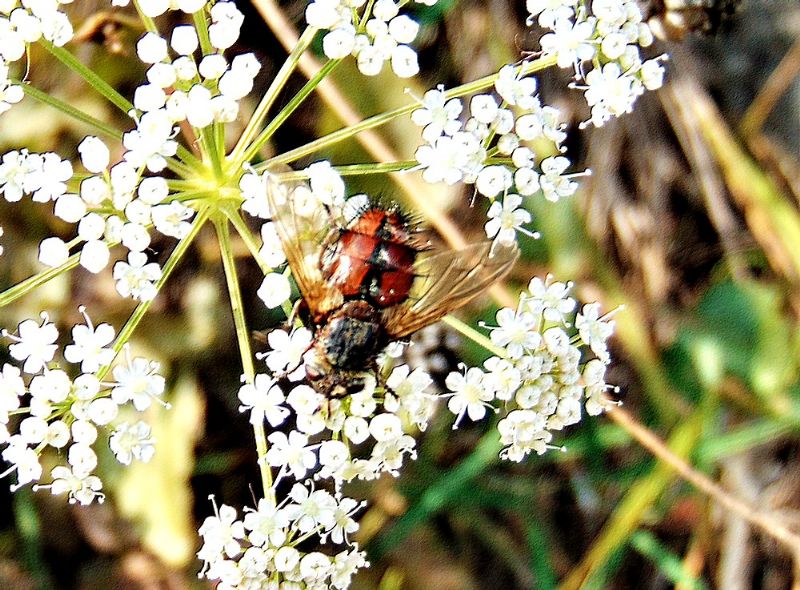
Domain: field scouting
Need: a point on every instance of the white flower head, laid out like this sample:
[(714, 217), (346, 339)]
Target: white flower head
[(35, 344), (516, 332), (438, 115), (506, 219), (468, 394), (287, 349), (226, 23), (89, 346), (151, 48), (266, 525), (95, 155), (271, 251), (137, 278), (291, 452), (53, 252), (224, 531), (264, 399), (493, 180), (80, 486), (326, 184), (137, 382), (132, 441)]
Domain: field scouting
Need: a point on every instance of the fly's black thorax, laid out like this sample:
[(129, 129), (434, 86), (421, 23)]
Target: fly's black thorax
[(351, 337)]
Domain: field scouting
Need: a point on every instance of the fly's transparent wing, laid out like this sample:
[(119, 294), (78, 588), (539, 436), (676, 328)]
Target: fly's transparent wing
[(302, 224), (446, 281)]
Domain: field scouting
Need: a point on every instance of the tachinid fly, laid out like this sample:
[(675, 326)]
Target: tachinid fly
[(368, 281)]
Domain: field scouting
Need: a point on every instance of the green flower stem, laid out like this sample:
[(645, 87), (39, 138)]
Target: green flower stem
[(258, 117), (474, 335), (247, 237), (203, 144), (382, 168), (68, 109), (102, 87), (192, 162), (180, 168), (352, 169), (365, 17), (91, 77), (201, 25), (253, 247), (218, 130), (210, 150), (148, 22), (133, 321), (285, 112), (24, 287), (243, 338), (525, 69)]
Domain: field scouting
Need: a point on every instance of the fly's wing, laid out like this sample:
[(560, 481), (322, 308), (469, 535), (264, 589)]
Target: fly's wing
[(446, 281), (302, 224)]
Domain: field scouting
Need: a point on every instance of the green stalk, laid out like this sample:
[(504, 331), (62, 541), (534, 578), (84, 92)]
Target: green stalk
[(285, 112), (188, 158), (201, 26), (99, 126), (474, 335), (354, 169), (243, 338), (218, 131), (133, 321), (149, 23), (24, 287), (180, 169), (209, 147), (248, 238), (383, 118), (253, 247), (213, 149), (91, 78), (260, 114)]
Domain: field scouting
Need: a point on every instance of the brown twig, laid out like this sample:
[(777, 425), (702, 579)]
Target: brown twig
[(763, 522), (779, 81)]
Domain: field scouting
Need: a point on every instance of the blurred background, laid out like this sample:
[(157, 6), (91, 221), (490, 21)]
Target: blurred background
[(689, 220)]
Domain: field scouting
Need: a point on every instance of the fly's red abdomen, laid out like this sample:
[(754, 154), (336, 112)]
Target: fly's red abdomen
[(373, 258), (350, 262), (393, 287)]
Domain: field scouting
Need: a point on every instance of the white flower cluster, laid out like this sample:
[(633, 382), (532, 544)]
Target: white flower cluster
[(116, 204), (376, 36), (606, 34), (113, 205), (372, 418), (153, 8), (260, 550), (183, 89), (21, 23), (546, 371), (493, 150), (65, 413)]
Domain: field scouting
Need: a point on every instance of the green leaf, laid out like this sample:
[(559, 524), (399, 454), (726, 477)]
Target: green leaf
[(667, 562)]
